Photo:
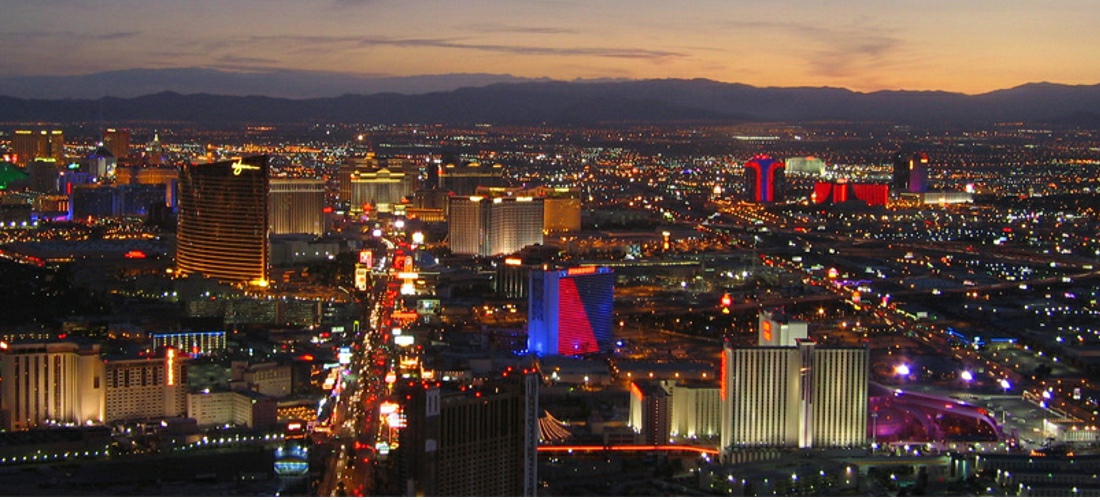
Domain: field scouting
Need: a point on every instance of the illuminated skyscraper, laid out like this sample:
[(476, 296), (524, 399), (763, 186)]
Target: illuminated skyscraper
[(142, 388), (371, 183), (463, 180), (561, 206), (570, 310), (296, 206), (223, 220), (61, 382), (117, 141), (764, 180), (794, 395), (806, 165), (480, 225), (910, 172), (30, 145)]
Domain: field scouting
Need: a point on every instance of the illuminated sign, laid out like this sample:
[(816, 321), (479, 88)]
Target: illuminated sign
[(405, 315), (366, 257), (407, 275), (388, 408), (404, 340), (576, 271), (395, 420), (171, 366), (767, 331), (239, 167), (722, 377), (361, 278), (512, 261), (344, 356), (135, 254)]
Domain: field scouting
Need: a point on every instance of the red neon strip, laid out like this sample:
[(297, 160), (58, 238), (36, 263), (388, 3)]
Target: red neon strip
[(759, 179), (626, 447)]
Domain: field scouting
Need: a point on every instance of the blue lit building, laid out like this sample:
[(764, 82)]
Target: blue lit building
[(570, 310), (194, 343)]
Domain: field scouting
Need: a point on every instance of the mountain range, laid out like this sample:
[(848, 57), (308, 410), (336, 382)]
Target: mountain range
[(509, 100)]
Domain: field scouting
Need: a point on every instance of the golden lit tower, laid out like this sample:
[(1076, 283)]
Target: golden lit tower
[(223, 220), (117, 141), (30, 145)]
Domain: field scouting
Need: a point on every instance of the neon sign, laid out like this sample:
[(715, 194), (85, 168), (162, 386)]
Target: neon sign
[(575, 271), (171, 366), (239, 167)]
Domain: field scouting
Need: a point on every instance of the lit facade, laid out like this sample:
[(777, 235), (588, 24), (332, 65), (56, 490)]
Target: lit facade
[(223, 220), (650, 412), (53, 382), (805, 165), (570, 311), (140, 389), (31, 145), (910, 174), (463, 180), (842, 191), (295, 206), (764, 180), (777, 329), (247, 408), (117, 140), (480, 225), (192, 343), (370, 183), (794, 396), (561, 212), (696, 410)]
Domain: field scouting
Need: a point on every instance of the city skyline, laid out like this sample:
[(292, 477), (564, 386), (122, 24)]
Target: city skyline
[(855, 44)]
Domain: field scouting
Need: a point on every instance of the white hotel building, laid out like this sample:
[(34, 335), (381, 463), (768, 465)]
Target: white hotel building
[(796, 394)]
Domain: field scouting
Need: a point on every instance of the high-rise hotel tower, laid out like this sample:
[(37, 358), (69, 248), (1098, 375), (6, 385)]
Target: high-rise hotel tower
[(223, 220), (790, 392)]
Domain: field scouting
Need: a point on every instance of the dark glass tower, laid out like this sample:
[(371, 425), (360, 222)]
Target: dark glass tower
[(223, 220)]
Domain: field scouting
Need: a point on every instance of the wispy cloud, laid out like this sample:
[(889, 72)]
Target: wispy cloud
[(445, 43), (534, 30), (244, 60), (68, 35), (848, 54)]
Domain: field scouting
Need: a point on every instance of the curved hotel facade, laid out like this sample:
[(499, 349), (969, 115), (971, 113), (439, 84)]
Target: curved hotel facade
[(223, 220)]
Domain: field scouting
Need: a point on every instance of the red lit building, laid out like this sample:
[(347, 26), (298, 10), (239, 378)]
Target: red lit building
[(764, 179), (570, 310), (843, 191)]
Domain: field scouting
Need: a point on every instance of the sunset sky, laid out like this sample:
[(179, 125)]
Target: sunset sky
[(969, 46)]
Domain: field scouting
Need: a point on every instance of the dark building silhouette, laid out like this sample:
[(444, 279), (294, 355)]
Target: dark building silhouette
[(470, 441)]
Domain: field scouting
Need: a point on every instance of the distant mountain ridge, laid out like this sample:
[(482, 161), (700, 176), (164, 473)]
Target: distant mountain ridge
[(555, 102), (271, 83)]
